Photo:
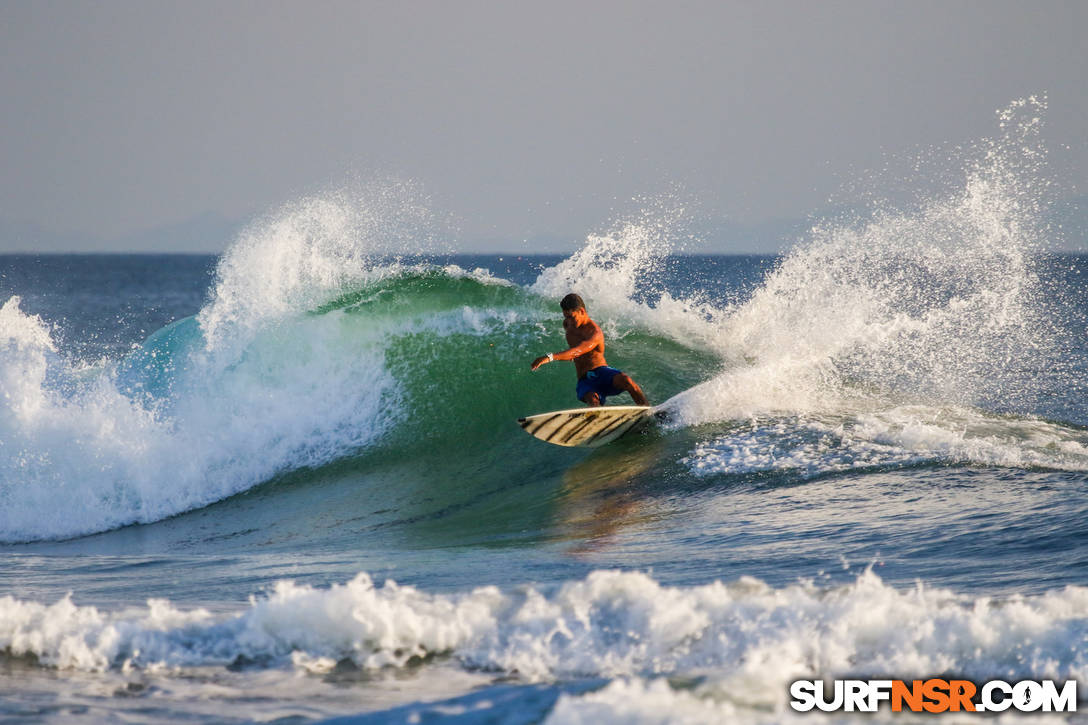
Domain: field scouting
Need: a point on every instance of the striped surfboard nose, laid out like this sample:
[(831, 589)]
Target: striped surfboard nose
[(586, 427)]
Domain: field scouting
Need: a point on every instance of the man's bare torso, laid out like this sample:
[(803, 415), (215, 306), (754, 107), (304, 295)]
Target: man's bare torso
[(580, 333)]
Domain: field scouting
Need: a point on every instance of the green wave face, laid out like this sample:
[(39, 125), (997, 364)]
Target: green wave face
[(459, 350), (451, 464)]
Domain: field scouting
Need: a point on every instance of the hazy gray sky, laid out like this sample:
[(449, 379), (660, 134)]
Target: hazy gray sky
[(523, 119)]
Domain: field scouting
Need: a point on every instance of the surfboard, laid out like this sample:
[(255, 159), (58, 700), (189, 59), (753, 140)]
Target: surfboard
[(585, 427)]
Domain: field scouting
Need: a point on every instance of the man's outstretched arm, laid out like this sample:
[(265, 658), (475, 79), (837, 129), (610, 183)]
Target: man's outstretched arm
[(570, 353)]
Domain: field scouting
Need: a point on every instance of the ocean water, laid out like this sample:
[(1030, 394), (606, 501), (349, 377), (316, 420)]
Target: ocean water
[(286, 484)]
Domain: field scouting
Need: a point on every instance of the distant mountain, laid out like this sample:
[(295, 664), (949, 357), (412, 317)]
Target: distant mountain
[(1068, 218), (207, 233), (26, 237)]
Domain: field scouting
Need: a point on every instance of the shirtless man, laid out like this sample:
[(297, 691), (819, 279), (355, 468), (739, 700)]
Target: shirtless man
[(596, 381)]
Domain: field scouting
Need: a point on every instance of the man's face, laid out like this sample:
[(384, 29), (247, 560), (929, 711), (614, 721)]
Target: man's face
[(574, 317)]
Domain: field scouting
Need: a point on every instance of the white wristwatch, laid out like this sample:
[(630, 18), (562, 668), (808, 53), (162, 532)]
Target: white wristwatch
[(551, 358)]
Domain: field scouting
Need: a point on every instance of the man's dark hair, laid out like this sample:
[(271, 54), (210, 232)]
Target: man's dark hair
[(571, 302)]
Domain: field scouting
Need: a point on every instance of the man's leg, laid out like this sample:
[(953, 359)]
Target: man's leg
[(623, 381), (592, 400)]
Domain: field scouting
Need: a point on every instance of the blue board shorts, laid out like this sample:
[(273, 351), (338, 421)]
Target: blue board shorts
[(599, 381)]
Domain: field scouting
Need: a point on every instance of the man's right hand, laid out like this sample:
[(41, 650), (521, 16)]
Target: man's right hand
[(538, 362)]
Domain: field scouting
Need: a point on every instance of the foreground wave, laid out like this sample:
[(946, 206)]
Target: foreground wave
[(740, 642)]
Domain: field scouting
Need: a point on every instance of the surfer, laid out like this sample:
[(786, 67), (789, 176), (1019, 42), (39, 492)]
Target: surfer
[(596, 381)]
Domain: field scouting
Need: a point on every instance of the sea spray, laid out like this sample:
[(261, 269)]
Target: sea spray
[(619, 273), (938, 303), (309, 251), (253, 386), (25, 353)]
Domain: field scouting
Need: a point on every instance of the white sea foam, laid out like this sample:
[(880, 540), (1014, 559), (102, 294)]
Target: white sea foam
[(743, 642), (24, 361), (626, 701), (479, 274), (903, 435), (254, 386)]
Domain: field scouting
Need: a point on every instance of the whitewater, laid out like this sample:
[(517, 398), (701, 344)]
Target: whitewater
[(286, 483)]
